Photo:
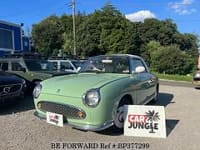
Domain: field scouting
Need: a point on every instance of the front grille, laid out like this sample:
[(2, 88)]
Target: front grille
[(10, 89), (67, 111)]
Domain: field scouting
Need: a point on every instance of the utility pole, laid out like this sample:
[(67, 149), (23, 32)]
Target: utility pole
[(74, 25)]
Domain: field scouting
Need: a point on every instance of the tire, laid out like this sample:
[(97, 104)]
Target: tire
[(155, 99), (119, 119)]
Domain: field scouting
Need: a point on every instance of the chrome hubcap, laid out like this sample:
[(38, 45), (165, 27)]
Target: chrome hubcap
[(119, 118)]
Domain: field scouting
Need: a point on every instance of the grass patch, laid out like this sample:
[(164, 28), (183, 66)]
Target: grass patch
[(174, 77)]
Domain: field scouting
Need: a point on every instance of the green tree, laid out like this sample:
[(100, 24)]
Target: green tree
[(107, 31), (67, 35), (47, 35), (89, 36), (68, 32), (148, 50), (166, 32), (187, 42), (149, 30), (171, 60)]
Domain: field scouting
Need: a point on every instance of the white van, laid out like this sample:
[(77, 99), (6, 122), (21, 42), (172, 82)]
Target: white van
[(65, 65)]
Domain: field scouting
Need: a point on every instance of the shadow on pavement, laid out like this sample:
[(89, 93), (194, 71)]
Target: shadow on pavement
[(19, 106), (111, 132), (170, 125), (164, 99), (197, 88)]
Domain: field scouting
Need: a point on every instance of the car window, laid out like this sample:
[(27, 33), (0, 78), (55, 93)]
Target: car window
[(55, 65), (16, 66), (77, 63), (4, 66), (39, 65), (66, 65), (33, 65), (136, 63), (107, 64)]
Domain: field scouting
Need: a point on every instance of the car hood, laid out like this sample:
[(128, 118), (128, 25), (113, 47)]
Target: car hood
[(77, 84)]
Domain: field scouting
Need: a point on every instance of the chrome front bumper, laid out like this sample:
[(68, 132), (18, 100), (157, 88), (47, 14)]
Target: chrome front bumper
[(196, 82), (83, 127)]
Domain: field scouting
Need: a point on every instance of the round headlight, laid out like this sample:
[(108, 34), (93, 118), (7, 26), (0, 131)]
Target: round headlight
[(37, 90), (91, 98)]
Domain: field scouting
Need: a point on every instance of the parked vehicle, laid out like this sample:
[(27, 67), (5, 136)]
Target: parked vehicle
[(32, 69), (196, 79), (94, 98), (66, 64), (63, 65), (12, 88), (196, 76)]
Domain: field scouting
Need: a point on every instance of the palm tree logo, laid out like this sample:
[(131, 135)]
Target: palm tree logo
[(152, 117)]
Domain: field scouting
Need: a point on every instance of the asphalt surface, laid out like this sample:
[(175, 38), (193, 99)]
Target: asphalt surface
[(176, 83), (21, 130)]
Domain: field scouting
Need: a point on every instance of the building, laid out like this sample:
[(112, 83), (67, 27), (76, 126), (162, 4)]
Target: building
[(12, 38)]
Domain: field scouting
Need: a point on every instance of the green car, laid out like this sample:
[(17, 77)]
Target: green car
[(94, 98)]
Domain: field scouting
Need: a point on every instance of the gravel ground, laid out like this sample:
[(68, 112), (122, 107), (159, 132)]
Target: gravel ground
[(21, 130)]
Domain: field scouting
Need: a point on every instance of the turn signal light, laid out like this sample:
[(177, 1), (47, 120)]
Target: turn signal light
[(80, 114)]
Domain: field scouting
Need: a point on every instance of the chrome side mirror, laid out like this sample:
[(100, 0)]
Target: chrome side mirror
[(139, 69)]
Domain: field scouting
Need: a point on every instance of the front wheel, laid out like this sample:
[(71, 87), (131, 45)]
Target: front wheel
[(155, 99), (119, 116)]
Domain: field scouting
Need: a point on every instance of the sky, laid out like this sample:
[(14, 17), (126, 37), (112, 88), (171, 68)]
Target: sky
[(185, 13)]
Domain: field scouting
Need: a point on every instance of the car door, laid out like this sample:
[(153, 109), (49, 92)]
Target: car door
[(67, 66), (144, 90), (4, 66)]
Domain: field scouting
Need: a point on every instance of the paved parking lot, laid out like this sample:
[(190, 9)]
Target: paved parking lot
[(21, 130)]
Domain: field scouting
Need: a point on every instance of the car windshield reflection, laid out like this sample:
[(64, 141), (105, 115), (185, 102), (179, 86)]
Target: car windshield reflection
[(106, 64)]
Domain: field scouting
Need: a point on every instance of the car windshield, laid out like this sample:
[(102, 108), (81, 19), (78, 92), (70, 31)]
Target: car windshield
[(39, 65), (107, 64), (77, 63)]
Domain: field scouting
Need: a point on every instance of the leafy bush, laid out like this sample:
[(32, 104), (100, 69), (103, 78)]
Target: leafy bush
[(171, 60)]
